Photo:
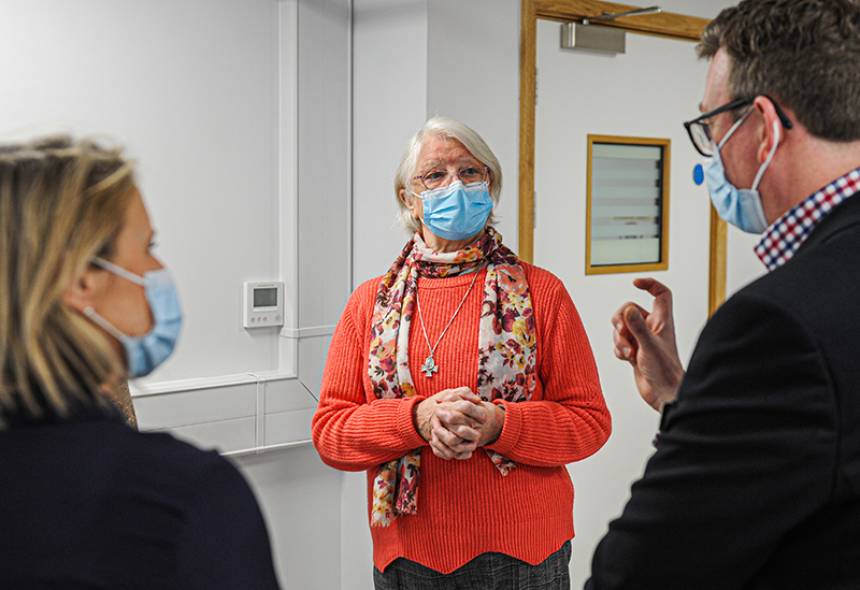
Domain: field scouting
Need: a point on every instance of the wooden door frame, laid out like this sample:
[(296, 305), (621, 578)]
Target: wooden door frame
[(667, 24)]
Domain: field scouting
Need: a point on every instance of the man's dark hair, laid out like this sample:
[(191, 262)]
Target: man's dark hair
[(803, 53)]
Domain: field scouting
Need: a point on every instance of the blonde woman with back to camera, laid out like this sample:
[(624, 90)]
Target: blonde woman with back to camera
[(462, 382), (86, 501)]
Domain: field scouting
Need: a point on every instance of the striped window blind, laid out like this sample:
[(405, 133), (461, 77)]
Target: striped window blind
[(626, 204)]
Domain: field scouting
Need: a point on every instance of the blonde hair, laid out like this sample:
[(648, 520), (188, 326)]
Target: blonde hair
[(62, 202), (451, 129)]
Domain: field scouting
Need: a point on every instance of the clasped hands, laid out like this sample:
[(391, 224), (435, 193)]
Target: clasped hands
[(457, 421)]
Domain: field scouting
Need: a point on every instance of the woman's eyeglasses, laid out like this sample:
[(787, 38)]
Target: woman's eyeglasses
[(437, 178)]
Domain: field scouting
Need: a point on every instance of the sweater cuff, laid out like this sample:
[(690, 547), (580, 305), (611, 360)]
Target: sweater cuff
[(406, 423), (511, 429)]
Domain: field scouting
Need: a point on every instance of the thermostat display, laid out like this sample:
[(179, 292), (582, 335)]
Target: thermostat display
[(264, 305), (265, 297)]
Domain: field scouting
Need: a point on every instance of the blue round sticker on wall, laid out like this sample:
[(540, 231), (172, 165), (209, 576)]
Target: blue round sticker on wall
[(698, 174)]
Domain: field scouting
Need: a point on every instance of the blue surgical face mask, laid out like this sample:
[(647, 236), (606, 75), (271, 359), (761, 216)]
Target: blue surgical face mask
[(457, 211), (740, 207), (145, 353)]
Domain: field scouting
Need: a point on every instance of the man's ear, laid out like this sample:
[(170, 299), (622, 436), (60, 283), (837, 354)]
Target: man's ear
[(85, 288), (771, 130)]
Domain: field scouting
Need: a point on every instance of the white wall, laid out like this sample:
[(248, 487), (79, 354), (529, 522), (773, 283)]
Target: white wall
[(323, 161), (190, 88), (702, 8), (473, 76), (300, 498), (389, 106), (742, 264)]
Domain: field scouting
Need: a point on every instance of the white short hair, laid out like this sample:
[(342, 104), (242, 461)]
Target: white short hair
[(452, 129)]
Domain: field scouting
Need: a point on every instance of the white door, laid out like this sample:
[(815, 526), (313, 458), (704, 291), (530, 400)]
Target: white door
[(648, 92)]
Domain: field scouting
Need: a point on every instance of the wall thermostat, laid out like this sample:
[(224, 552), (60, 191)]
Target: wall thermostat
[(264, 305)]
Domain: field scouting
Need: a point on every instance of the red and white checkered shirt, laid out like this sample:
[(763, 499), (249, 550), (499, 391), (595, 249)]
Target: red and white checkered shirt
[(787, 234)]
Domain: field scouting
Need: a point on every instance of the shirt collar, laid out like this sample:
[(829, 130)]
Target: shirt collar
[(784, 238)]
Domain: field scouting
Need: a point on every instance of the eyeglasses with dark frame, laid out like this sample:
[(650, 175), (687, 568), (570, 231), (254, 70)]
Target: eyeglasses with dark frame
[(467, 174), (699, 129)]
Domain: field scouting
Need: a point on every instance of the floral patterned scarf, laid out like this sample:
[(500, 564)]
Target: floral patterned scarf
[(506, 347)]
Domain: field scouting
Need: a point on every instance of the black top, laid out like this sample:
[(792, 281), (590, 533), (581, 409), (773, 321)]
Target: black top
[(90, 503), (756, 480)]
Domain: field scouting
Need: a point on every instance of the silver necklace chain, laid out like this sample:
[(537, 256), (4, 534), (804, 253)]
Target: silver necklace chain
[(429, 368)]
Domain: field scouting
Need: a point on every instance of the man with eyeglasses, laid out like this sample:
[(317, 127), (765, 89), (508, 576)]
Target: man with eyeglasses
[(755, 482)]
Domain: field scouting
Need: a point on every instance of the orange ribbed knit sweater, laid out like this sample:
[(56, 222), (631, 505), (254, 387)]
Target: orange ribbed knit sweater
[(466, 508)]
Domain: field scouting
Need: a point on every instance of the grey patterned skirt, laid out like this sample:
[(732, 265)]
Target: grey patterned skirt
[(490, 571)]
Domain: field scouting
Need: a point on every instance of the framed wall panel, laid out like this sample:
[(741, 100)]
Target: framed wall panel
[(627, 204)]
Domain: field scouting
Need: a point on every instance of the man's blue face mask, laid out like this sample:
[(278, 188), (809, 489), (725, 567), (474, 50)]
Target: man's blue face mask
[(739, 207), (457, 211), (145, 353)]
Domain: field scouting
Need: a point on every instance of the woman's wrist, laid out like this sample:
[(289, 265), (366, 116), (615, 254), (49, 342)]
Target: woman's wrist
[(497, 422), (421, 419)]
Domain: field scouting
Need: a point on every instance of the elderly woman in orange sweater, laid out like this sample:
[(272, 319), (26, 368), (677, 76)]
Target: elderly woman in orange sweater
[(463, 382)]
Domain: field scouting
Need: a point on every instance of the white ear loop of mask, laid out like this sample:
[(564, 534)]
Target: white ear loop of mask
[(776, 139), (93, 315), (763, 168), (732, 130), (119, 271), (104, 324)]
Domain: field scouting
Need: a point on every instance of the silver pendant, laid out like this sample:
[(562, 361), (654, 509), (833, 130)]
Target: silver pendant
[(429, 367)]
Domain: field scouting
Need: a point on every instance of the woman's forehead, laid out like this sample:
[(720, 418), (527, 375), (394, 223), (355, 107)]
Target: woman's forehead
[(438, 148), (137, 222)]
